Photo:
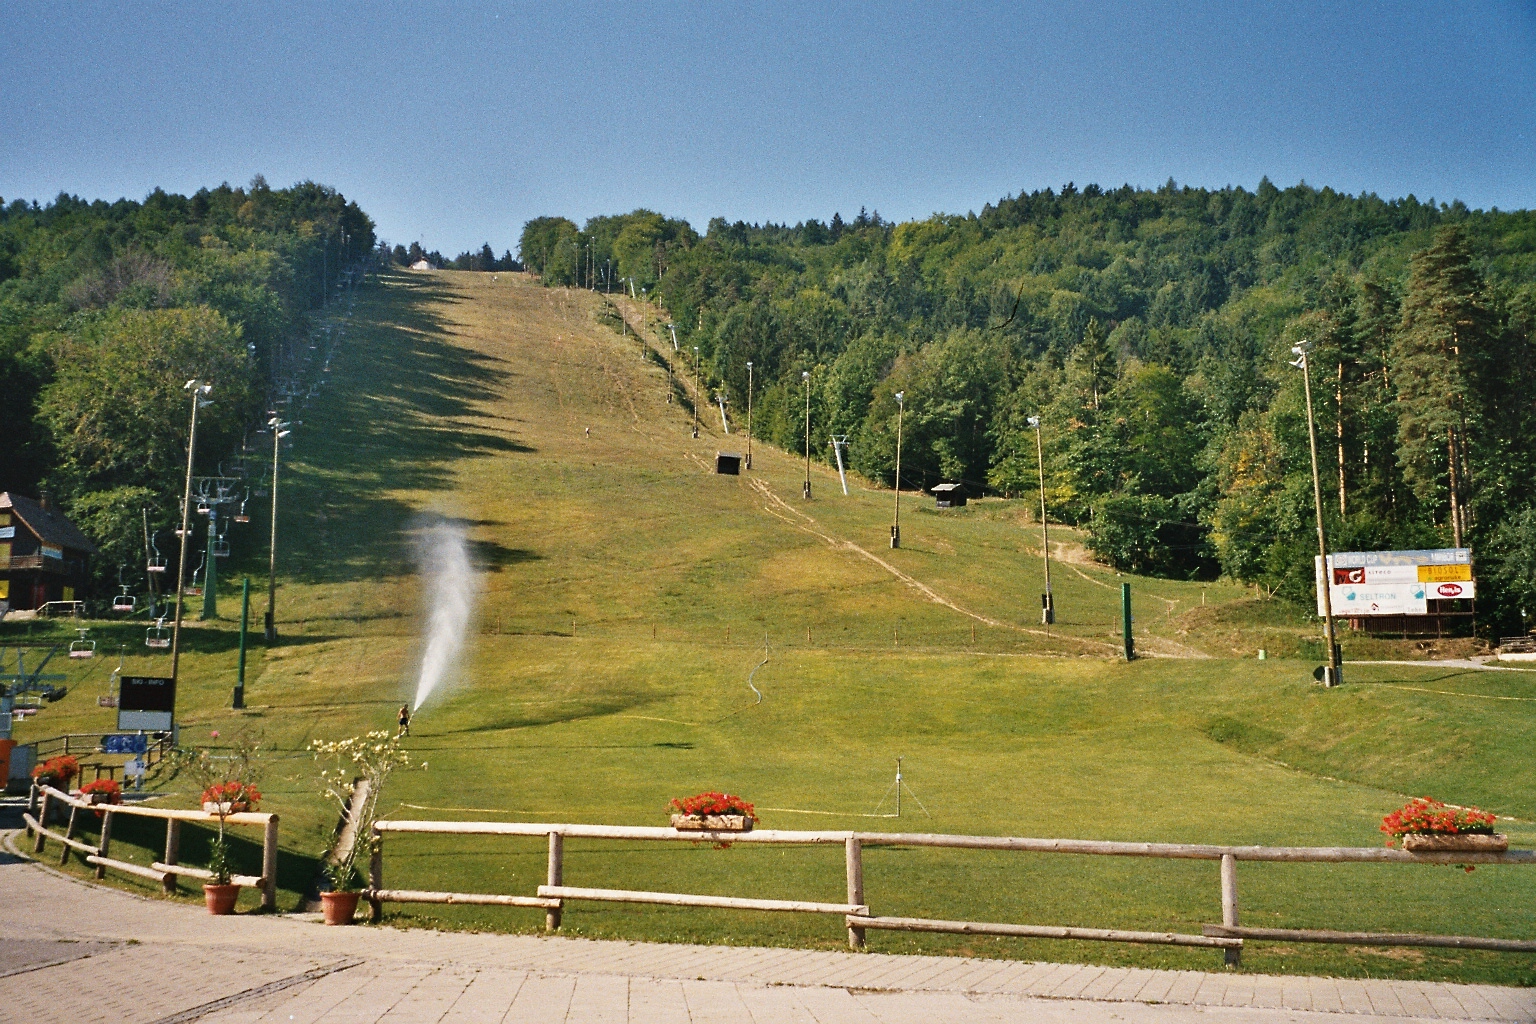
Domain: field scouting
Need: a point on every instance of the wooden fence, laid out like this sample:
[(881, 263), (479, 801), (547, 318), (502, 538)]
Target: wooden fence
[(165, 871), (1227, 936)]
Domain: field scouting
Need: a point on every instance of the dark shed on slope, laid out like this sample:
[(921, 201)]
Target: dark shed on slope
[(948, 496), (728, 463)]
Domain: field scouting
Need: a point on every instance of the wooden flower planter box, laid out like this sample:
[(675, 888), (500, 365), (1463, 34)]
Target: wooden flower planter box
[(226, 807), (1452, 843), (711, 823)]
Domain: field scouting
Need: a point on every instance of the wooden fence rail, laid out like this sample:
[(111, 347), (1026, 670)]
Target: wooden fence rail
[(165, 871), (1228, 936)]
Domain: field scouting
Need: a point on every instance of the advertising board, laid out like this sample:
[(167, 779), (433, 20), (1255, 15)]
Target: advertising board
[(1365, 583), (146, 702)]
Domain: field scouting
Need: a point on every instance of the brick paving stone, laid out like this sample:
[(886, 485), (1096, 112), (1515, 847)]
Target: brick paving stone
[(1383, 999), (430, 998), (1209, 990), (1476, 1005), (1267, 992), (836, 1006), (486, 998), (1238, 991), (372, 1001), (780, 1004), (1353, 995), (1109, 979), (1443, 1001), (1510, 1003)]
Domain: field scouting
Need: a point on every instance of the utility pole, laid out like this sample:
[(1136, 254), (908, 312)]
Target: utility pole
[(1047, 601), (1331, 675), (270, 623), (749, 414), (901, 408), (198, 389), (805, 375)]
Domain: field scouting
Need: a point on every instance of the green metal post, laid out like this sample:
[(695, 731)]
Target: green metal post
[(245, 618), (210, 577), (1125, 621)]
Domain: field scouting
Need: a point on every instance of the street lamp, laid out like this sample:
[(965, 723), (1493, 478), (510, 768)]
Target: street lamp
[(901, 408), (1331, 674), (749, 414), (198, 389), (697, 391), (270, 633), (1047, 603), (805, 376)]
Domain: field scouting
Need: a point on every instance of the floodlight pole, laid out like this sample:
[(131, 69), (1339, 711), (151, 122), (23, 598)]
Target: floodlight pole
[(198, 389), (697, 391), (270, 631), (1047, 600), (1332, 676), (901, 408), (245, 618), (749, 414), (805, 375)]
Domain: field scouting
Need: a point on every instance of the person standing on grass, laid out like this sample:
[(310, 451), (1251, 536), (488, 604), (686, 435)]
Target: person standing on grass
[(405, 720)]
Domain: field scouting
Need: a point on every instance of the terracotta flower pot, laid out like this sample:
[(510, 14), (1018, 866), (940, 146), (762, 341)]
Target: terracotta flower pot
[(340, 907), (221, 898)]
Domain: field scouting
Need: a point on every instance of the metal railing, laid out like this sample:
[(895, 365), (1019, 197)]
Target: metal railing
[(1227, 936), (165, 871)]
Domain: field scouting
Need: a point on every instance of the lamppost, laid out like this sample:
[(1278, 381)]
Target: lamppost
[(805, 375), (749, 414), (697, 391), (901, 408), (1047, 603), (199, 389), (270, 623), (1331, 676)]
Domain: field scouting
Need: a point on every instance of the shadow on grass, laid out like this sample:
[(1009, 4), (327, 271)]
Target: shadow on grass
[(401, 410)]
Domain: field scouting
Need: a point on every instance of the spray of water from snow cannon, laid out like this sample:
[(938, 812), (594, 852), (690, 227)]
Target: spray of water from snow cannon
[(451, 589)]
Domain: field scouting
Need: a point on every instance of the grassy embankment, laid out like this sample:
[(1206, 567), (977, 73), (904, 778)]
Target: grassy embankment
[(627, 592)]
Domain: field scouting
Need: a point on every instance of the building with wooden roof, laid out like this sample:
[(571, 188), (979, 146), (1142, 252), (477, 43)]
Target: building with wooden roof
[(43, 556)]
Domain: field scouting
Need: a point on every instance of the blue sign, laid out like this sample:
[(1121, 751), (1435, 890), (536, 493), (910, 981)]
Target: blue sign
[(124, 744)]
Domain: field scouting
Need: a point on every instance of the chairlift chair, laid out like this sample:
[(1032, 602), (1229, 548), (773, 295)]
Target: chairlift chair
[(195, 589), (125, 602), (157, 636), (241, 517), (82, 648), (220, 545), (155, 562)]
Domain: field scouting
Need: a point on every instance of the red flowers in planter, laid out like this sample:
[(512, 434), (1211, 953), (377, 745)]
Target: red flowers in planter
[(1423, 816), (713, 803), (60, 770), (107, 787), (232, 793)]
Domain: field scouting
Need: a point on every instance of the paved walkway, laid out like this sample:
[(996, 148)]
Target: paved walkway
[(75, 952)]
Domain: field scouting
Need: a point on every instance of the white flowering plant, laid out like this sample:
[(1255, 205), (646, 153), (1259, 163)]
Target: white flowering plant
[(353, 775)]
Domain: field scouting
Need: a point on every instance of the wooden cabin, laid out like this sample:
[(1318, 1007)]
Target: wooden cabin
[(43, 556)]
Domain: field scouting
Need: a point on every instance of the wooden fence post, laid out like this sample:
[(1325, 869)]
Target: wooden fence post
[(555, 876), (106, 841), (42, 823), (376, 875), (69, 833), (172, 852), (853, 856), (1229, 901), (269, 866)]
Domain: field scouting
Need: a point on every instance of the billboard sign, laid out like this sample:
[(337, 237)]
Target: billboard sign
[(146, 702), (1364, 583)]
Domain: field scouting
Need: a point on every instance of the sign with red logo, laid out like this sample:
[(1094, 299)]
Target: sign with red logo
[(1453, 591)]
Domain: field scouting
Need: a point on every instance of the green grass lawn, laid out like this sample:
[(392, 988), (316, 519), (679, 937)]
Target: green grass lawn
[(627, 592)]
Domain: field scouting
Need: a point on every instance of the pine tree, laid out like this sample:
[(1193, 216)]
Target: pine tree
[(1440, 353)]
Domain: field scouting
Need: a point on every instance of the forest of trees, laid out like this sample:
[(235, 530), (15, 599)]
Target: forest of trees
[(1150, 330), (106, 309), (482, 260)]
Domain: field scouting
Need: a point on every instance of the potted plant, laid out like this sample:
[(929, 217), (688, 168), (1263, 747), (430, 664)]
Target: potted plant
[(232, 797), (712, 812), (1429, 826), (228, 787), (57, 772), (353, 777)]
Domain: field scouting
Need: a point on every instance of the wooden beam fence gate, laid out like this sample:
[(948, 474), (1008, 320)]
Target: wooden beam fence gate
[(166, 871), (1227, 936)]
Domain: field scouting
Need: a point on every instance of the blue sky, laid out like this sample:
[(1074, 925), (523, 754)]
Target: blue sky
[(453, 123)]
